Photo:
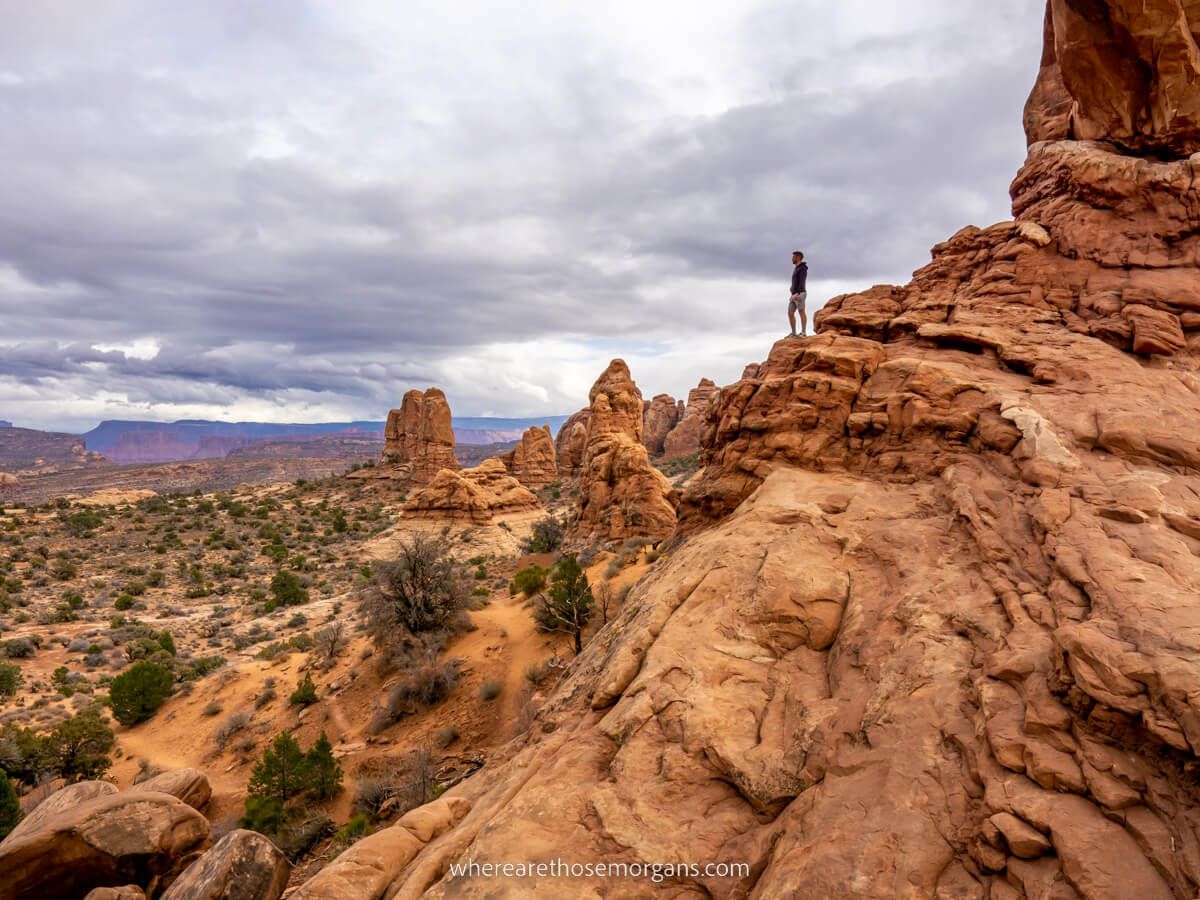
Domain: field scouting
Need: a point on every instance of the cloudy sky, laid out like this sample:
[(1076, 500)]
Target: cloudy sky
[(297, 210)]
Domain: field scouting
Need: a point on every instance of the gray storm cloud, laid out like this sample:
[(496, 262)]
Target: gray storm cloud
[(299, 210)]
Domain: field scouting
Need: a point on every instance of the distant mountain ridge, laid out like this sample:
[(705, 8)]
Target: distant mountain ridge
[(134, 441)]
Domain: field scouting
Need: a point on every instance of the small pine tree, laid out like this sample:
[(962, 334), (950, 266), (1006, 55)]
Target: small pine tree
[(324, 773), (282, 773), (10, 806), (135, 695), (305, 693), (569, 604), (77, 749)]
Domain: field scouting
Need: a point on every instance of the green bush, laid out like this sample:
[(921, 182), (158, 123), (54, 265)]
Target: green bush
[(10, 679), (528, 581), (136, 694), (77, 749), (568, 606), (10, 806), (305, 692), (546, 537), (359, 826), (287, 589)]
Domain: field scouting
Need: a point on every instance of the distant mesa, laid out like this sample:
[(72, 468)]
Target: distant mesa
[(4, 423)]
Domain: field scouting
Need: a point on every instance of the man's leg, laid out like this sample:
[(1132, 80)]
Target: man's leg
[(792, 313), (802, 300)]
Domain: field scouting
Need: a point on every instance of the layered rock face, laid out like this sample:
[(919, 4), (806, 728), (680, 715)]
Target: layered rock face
[(684, 439), (1120, 70), (621, 494), (473, 495), (534, 461), (660, 415), (931, 628), (418, 436), (571, 443)]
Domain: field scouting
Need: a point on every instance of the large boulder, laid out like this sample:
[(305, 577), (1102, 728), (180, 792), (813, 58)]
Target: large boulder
[(1123, 71), (621, 494), (189, 785), (243, 865), (141, 838), (419, 438), (65, 798)]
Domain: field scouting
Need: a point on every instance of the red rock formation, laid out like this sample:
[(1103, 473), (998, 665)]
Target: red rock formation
[(659, 416), (931, 628), (9, 482), (621, 494), (571, 443), (534, 461), (476, 495), (684, 439), (419, 439), (1120, 70)]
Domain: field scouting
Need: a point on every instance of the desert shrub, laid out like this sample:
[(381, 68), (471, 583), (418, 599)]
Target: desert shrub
[(10, 679), (64, 570), (234, 723), (123, 602), (19, 648), (135, 695), (568, 604), (683, 465), (281, 773), (212, 708), (198, 668), (490, 689), (421, 590), (287, 589), (305, 692), (528, 581), (446, 735), (546, 537), (427, 685), (264, 698), (359, 826)]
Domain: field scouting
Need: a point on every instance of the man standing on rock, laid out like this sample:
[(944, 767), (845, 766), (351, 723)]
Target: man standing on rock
[(799, 293)]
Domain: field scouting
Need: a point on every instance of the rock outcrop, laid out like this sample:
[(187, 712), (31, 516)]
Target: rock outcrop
[(189, 785), (571, 444), (419, 439), (621, 494), (534, 461), (660, 415), (243, 865), (684, 439), (9, 482), (1123, 71), (366, 870), (930, 626), (476, 495), (110, 839)]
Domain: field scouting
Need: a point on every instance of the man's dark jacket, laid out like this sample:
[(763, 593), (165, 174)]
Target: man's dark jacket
[(800, 278)]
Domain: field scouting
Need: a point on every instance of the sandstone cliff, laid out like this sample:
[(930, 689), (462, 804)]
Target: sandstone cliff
[(621, 494), (931, 627), (419, 440)]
